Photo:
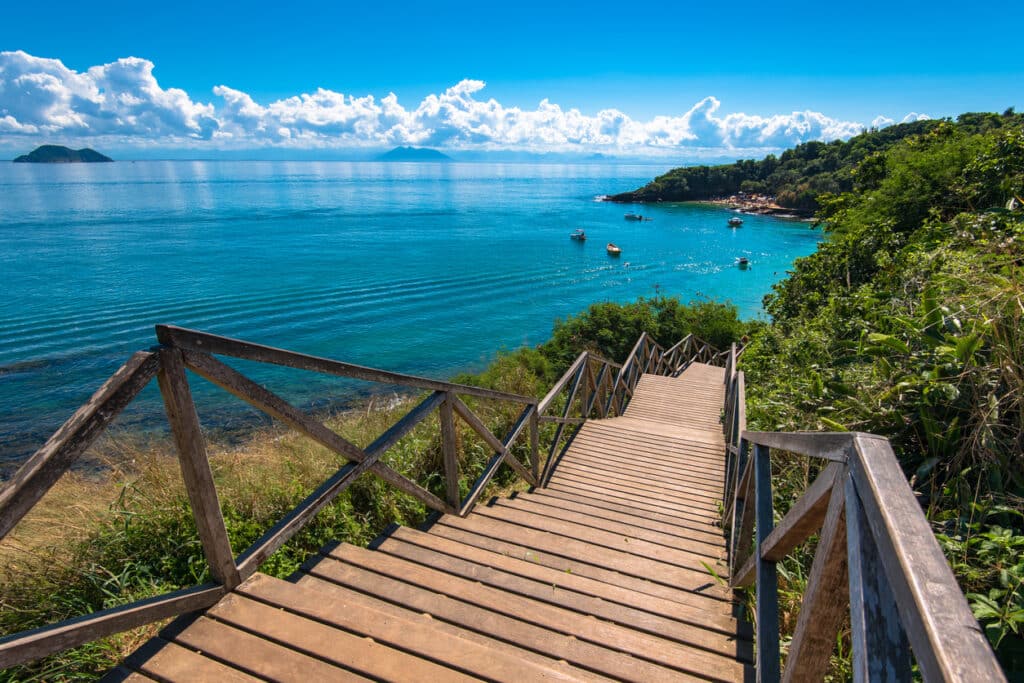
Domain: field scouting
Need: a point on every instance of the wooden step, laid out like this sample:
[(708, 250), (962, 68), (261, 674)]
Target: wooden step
[(687, 578), (567, 580), (556, 593), (583, 627), (552, 643)]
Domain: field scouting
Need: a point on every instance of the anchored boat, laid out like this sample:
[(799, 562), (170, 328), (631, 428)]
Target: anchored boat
[(613, 250)]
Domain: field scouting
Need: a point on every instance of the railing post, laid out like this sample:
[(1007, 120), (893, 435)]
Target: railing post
[(535, 445), (195, 468), (880, 648), (767, 580), (449, 450)]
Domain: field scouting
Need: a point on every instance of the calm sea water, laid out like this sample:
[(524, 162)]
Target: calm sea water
[(419, 268)]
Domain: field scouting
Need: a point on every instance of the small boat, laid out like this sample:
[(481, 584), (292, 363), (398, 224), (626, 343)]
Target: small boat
[(579, 235), (613, 250), (735, 222), (633, 216), (742, 262)]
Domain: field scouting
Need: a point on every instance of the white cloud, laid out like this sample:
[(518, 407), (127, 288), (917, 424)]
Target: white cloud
[(914, 116), (881, 122), (123, 101)]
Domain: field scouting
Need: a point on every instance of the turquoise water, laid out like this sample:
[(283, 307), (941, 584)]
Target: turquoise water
[(419, 268)]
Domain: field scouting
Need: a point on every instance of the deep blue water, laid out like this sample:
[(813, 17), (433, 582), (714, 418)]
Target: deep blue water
[(419, 268)]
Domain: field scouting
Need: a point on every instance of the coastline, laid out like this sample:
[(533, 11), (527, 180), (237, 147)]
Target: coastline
[(761, 205)]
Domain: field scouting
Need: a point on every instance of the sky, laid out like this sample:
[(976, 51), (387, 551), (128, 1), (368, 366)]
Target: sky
[(641, 79)]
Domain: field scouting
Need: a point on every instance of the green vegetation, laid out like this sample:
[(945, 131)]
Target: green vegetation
[(907, 322), (799, 177)]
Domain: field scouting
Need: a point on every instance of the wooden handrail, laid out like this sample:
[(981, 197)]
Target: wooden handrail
[(589, 383)]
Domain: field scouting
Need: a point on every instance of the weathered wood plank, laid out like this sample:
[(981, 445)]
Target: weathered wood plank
[(195, 468), (168, 661), (23, 647), (193, 340), (880, 647), (41, 471), (554, 391), (767, 580), (825, 598), (947, 642), (262, 399), (450, 452), (835, 446), (501, 447), (804, 518)]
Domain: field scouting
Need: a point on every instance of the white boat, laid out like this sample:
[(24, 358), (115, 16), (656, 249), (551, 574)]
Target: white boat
[(613, 250), (735, 222), (742, 262), (579, 235)]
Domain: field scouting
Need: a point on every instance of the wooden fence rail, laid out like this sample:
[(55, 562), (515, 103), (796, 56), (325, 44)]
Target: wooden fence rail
[(592, 387), (877, 559)]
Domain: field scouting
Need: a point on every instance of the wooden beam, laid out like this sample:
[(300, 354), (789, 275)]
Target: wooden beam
[(41, 471), (804, 518), (24, 647), (195, 468), (880, 648), (826, 597), (194, 340), (535, 445), (947, 642), (503, 448), (234, 382), (450, 452), (767, 581), (549, 398), (828, 445)]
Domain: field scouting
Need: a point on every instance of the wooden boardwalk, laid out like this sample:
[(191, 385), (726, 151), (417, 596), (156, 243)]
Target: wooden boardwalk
[(609, 572)]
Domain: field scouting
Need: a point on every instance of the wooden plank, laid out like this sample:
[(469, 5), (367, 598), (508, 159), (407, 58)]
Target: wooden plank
[(680, 577), (195, 468), (672, 596), (560, 579), (558, 595), (582, 489), (943, 633), (599, 515), (193, 340), (713, 550), (170, 662), (767, 580), (410, 631), (260, 398), (657, 650), (825, 598), (450, 453), (804, 518), (369, 657), (535, 445), (123, 675), (880, 647), (666, 487), (258, 656), (41, 471), (626, 543), (835, 446), (706, 514), (491, 623), (19, 648)]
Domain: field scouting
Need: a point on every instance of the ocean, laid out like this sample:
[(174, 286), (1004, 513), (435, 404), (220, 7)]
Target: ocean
[(423, 268)]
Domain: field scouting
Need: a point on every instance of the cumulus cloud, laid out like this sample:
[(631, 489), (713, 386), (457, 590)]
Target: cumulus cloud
[(124, 101)]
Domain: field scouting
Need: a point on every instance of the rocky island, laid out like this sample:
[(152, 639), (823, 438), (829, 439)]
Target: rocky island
[(414, 154), (57, 154)]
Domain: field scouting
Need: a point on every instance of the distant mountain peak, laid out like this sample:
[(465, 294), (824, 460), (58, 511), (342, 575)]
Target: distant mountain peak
[(57, 154), (413, 154)]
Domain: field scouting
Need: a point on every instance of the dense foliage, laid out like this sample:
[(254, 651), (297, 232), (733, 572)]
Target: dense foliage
[(907, 322), (799, 177)]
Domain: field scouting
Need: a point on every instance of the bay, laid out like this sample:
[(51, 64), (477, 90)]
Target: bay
[(420, 268)]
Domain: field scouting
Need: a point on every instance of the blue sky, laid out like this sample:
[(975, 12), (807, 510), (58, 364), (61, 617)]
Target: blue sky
[(653, 65)]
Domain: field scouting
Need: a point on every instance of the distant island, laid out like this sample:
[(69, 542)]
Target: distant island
[(56, 154), (413, 154)]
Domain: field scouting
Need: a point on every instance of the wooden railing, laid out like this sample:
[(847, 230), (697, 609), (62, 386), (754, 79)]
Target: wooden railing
[(591, 387), (876, 559)]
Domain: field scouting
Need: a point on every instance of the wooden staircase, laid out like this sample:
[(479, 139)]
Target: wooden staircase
[(615, 569)]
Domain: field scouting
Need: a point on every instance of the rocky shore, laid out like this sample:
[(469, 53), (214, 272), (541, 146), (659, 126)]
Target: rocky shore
[(758, 203)]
